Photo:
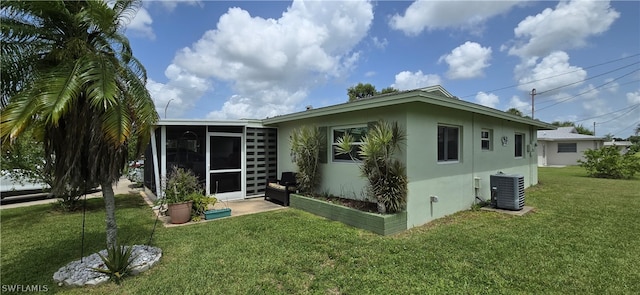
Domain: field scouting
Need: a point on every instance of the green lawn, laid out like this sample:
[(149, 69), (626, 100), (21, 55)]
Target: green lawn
[(583, 238)]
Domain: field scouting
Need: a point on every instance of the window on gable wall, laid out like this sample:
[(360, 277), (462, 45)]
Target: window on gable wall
[(448, 143), (568, 147), (357, 132), (519, 145), (485, 140)]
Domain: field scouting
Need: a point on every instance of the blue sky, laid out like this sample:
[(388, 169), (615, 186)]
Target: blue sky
[(254, 59)]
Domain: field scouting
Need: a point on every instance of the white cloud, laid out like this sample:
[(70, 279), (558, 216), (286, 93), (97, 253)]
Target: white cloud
[(239, 107), (467, 61), (407, 80), (141, 24), (170, 5), (552, 72), (179, 93), (380, 43), (517, 103), (565, 27), (633, 97), (612, 86), (427, 14), (487, 99), (589, 92), (271, 63)]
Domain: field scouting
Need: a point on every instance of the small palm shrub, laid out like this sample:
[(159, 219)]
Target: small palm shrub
[(117, 263), (306, 145), (607, 162), (386, 175)]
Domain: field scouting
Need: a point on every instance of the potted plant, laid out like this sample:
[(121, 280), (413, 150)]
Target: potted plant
[(180, 187)]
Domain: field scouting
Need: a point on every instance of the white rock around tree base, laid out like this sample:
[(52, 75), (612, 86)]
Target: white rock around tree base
[(80, 272)]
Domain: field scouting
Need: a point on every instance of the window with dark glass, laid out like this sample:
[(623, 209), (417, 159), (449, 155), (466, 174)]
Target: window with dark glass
[(358, 133), (448, 143), (568, 147), (519, 145), (485, 140)]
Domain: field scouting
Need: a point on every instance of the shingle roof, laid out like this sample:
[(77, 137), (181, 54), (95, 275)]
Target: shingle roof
[(564, 133)]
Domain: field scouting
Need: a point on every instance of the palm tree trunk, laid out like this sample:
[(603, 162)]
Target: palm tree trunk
[(110, 219)]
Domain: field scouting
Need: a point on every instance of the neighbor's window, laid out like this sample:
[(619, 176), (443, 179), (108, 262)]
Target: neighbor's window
[(448, 143), (357, 132), (519, 145), (485, 140), (570, 147)]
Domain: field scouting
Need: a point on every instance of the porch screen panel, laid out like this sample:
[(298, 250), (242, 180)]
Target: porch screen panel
[(261, 157)]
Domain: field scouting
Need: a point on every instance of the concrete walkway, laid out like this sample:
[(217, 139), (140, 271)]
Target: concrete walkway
[(123, 186)]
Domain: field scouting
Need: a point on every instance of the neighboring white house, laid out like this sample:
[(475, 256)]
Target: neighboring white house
[(564, 146), (623, 146)]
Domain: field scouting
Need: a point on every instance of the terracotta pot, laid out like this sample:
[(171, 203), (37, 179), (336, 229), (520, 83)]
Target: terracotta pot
[(180, 212)]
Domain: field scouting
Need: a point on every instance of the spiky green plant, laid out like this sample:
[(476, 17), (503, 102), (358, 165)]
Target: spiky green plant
[(386, 175), (118, 262), (306, 146)]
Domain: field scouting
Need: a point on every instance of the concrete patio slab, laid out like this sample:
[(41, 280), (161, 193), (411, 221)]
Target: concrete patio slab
[(238, 208), (525, 210)]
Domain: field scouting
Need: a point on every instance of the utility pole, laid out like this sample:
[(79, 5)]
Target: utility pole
[(533, 95), (594, 128)]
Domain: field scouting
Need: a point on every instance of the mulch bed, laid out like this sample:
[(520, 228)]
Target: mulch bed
[(365, 206)]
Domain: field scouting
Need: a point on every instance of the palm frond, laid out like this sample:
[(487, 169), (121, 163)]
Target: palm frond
[(99, 79), (116, 124), (58, 89)]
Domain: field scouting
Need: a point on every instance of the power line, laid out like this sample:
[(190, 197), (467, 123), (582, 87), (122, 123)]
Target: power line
[(592, 89), (550, 77), (593, 77), (625, 128), (602, 88), (624, 114), (622, 109)]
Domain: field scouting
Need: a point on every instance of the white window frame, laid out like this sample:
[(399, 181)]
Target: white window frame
[(445, 144), (515, 145), (334, 144), (488, 139)]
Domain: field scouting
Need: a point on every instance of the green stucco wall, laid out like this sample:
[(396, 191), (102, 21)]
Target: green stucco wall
[(453, 183), (338, 178)]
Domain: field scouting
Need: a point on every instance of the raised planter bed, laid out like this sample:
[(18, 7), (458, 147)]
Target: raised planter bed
[(383, 224), (217, 213)]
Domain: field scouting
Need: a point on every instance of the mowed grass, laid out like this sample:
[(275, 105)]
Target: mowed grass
[(582, 238)]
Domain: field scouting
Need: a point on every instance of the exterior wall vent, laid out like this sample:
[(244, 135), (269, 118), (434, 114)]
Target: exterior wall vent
[(507, 191)]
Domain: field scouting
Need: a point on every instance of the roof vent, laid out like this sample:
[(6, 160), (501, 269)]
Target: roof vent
[(309, 107)]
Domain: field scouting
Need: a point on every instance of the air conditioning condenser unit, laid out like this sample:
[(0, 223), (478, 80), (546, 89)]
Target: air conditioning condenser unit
[(507, 191)]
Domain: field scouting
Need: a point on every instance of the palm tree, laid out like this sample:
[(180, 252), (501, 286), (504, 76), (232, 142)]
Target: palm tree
[(68, 73)]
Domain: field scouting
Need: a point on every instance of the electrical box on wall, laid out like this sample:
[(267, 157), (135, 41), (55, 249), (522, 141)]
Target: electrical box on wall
[(476, 182)]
